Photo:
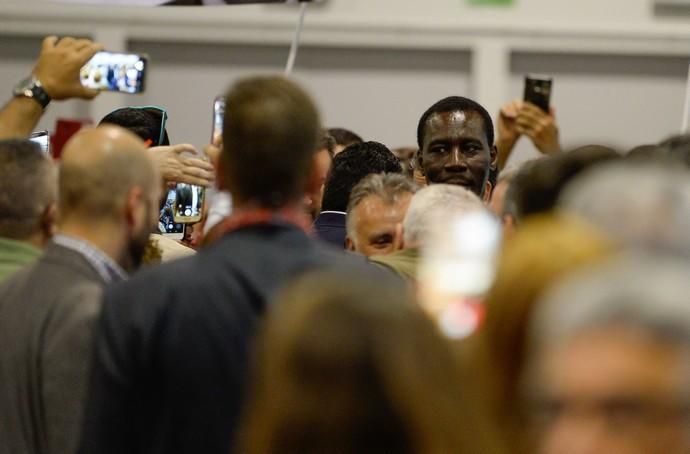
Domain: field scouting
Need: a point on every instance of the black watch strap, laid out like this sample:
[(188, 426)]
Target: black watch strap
[(40, 94)]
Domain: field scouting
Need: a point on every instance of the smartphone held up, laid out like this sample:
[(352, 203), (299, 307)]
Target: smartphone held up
[(538, 91), (111, 71)]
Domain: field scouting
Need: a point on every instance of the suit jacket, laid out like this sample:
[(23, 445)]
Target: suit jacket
[(174, 343), (331, 227), (47, 313)]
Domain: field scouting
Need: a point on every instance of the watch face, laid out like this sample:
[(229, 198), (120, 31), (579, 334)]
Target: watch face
[(24, 88)]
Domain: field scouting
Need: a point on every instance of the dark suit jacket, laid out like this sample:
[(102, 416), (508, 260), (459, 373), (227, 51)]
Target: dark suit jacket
[(174, 344), (331, 228), (47, 313)]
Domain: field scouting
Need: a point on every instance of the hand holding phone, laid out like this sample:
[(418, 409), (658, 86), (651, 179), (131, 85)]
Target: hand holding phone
[(59, 64), (110, 71)]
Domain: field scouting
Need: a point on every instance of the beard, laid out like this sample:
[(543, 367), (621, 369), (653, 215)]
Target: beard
[(138, 244)]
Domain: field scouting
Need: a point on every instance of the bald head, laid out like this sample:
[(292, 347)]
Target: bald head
[(99, 167)]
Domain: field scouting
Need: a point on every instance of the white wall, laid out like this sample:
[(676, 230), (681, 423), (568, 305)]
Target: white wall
[(375, 65)]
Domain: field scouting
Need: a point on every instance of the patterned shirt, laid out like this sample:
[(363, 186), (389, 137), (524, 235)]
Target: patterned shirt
[(104, 265)]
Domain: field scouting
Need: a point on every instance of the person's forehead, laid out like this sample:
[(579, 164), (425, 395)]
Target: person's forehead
[(373, 208), (454, 124)]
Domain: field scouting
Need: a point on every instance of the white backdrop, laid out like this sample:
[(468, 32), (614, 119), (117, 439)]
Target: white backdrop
[(375, 65)]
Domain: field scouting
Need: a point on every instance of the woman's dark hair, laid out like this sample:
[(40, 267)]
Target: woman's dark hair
[(349, 364)]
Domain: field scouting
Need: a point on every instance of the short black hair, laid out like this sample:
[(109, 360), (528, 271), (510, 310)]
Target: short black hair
[(454, 104), (351, 166), (539, 183), (344, 137), (145, 123)]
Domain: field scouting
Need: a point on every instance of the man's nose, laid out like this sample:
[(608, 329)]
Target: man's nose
[(456, 160)]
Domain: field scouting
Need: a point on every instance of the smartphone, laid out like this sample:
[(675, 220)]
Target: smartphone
[(218, 116), (43, 139), (110, 71), (166, 221), (189, 203), (538, 91)]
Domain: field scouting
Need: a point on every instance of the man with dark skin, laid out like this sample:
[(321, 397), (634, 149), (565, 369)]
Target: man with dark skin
[(456, 143)]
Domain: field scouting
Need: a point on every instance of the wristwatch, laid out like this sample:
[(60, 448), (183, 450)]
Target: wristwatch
[(32, 88)]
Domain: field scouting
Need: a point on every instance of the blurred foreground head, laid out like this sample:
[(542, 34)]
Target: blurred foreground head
[(640, 204), (542, 251), (608, 363), (351, 365), (538, 184), (269, 139), (109, 192)]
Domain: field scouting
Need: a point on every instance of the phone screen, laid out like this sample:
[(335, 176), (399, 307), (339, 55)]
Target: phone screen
[(166, 221), (189, 203), (218, 116), (538, 91), (43, 139), (111, 71)]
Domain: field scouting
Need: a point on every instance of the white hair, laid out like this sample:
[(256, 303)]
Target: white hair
[(644, 292), (641, 205), (436, 205)]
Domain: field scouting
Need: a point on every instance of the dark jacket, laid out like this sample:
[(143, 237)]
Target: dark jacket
[(47, 314), (175, 343), (331, 227)]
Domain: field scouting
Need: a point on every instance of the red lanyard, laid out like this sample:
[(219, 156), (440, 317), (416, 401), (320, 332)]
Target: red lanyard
[(252, 218)]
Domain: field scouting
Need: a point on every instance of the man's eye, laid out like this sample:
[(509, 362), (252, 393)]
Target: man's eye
[(383, 241), (440, 149)]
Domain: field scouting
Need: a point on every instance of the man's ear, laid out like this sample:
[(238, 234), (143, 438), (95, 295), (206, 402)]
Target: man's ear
[(313, 183), (398, 238), (488, 191), (494, 157), (135, 209), (419, 161), (49, 220), (349, 244)]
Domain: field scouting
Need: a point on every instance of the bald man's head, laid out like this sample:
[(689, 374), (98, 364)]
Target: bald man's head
[(99, 167)]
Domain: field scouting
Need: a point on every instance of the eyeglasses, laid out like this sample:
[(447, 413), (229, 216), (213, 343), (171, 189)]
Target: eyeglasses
[(153, 110)]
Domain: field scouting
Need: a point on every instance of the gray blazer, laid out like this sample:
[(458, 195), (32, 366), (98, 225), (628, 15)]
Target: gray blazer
[(47, 315)]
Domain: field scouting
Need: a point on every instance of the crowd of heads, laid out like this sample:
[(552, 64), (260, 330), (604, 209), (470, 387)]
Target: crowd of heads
[(437, 298)]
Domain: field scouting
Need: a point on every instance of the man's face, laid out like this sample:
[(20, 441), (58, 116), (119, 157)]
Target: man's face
[(377, 225), (140, 237), (456, 151), (611, 391)]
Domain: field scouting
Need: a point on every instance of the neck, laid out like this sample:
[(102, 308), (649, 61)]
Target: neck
[(105, 236)]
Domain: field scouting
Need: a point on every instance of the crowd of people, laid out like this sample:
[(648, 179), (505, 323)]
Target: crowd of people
[(338, 296)]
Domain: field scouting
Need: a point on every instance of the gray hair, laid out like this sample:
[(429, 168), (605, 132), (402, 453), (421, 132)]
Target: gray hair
[(436, 205), (644, 292), (28, 185), (641, 205), (388, 186)]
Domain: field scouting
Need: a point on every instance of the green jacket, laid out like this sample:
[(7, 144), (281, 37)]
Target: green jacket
[(15, 255), (404, 262)]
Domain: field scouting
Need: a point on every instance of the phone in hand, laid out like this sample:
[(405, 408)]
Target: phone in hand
[(218, 117), (166, 221), (42, 139), (538, 91), (112, 71), (189, 203)]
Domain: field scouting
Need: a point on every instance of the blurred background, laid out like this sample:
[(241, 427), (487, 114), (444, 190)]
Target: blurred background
[(619, 66)]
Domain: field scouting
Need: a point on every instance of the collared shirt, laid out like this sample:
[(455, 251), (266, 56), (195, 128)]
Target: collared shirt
[(104, 265), (15, 255)]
